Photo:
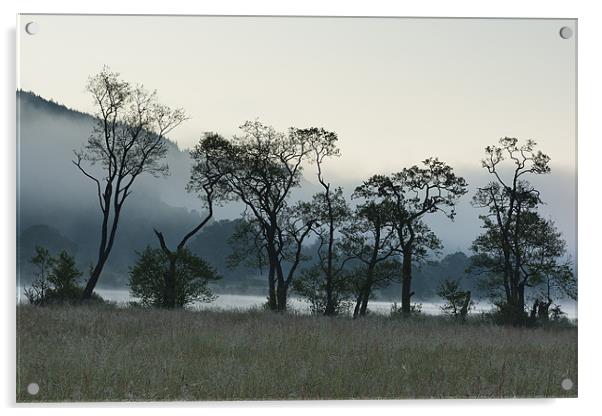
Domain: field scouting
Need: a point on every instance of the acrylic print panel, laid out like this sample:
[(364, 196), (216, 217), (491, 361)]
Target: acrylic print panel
[(275, 208)]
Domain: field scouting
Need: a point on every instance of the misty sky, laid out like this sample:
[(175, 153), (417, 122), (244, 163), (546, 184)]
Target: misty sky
[(395, 90)]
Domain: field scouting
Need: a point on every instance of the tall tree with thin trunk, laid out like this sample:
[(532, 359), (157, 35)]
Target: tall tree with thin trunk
[(330, 210), (127, 142), (332, 214), (203, 181)]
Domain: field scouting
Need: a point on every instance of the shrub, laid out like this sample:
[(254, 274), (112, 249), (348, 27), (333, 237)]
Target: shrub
[(311, 286), (64, 277), (397, 312), (457, 302), (57, 279), (149, 274), (557, 314)]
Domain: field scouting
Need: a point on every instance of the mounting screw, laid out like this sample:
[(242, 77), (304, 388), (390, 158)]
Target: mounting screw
[(566, 384), (32, 28), (566, 32), (33, 388)]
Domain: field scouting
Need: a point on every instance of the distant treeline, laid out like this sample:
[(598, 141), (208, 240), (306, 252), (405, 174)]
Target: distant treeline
[(213, 244)]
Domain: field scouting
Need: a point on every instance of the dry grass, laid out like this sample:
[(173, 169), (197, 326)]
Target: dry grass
[(114, 354)]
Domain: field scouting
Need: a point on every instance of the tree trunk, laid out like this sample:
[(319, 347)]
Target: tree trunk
[(364, 305), (169, 300), (272, 303), (89, 289), (406, 282), (367, 289), (330, 309), (330, 306), (521, 297), (543, 311), (465, 305), (508, 288), (533, 314), (281, 289), (273, 271), (102, 257), (107, 238), (281, 297), (169, 276), (358, 304), (517, 305)]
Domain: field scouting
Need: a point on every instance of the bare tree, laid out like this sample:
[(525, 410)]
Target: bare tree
[(128, 141)]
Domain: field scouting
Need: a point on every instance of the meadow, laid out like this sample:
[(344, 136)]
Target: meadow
[(106, 353)]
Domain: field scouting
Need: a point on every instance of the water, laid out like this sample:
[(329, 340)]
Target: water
[(246, 302)]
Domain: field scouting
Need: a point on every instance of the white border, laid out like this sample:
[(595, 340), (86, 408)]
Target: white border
[(590, 95)]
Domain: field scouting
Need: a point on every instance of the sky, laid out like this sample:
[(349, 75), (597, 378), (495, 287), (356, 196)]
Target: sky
[(395, 90)]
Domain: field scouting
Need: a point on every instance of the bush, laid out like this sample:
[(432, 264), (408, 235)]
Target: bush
[(64, 277), (57, 279), (397, 312), (149, 275), (557, 314), (311, 286), (457, 302)]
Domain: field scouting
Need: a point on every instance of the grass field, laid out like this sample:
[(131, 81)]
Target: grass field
[(104, 353)]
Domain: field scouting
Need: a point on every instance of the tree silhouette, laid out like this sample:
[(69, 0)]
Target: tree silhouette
[(412, 194), (538, 260), (513, 229), (260, 168), (203, 181), (150, 278), (297, 222), (331, 213), (458, 302), (128, 141), (247, 245), (370, 240), (57, 279), (44, 261)]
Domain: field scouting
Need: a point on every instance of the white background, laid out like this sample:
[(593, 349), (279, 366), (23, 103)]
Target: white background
[(590, 117)]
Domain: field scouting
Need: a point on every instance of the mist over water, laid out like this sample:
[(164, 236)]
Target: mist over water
[(235, 302)]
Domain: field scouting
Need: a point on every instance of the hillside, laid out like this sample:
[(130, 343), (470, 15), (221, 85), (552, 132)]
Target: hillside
[(58, 204)]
